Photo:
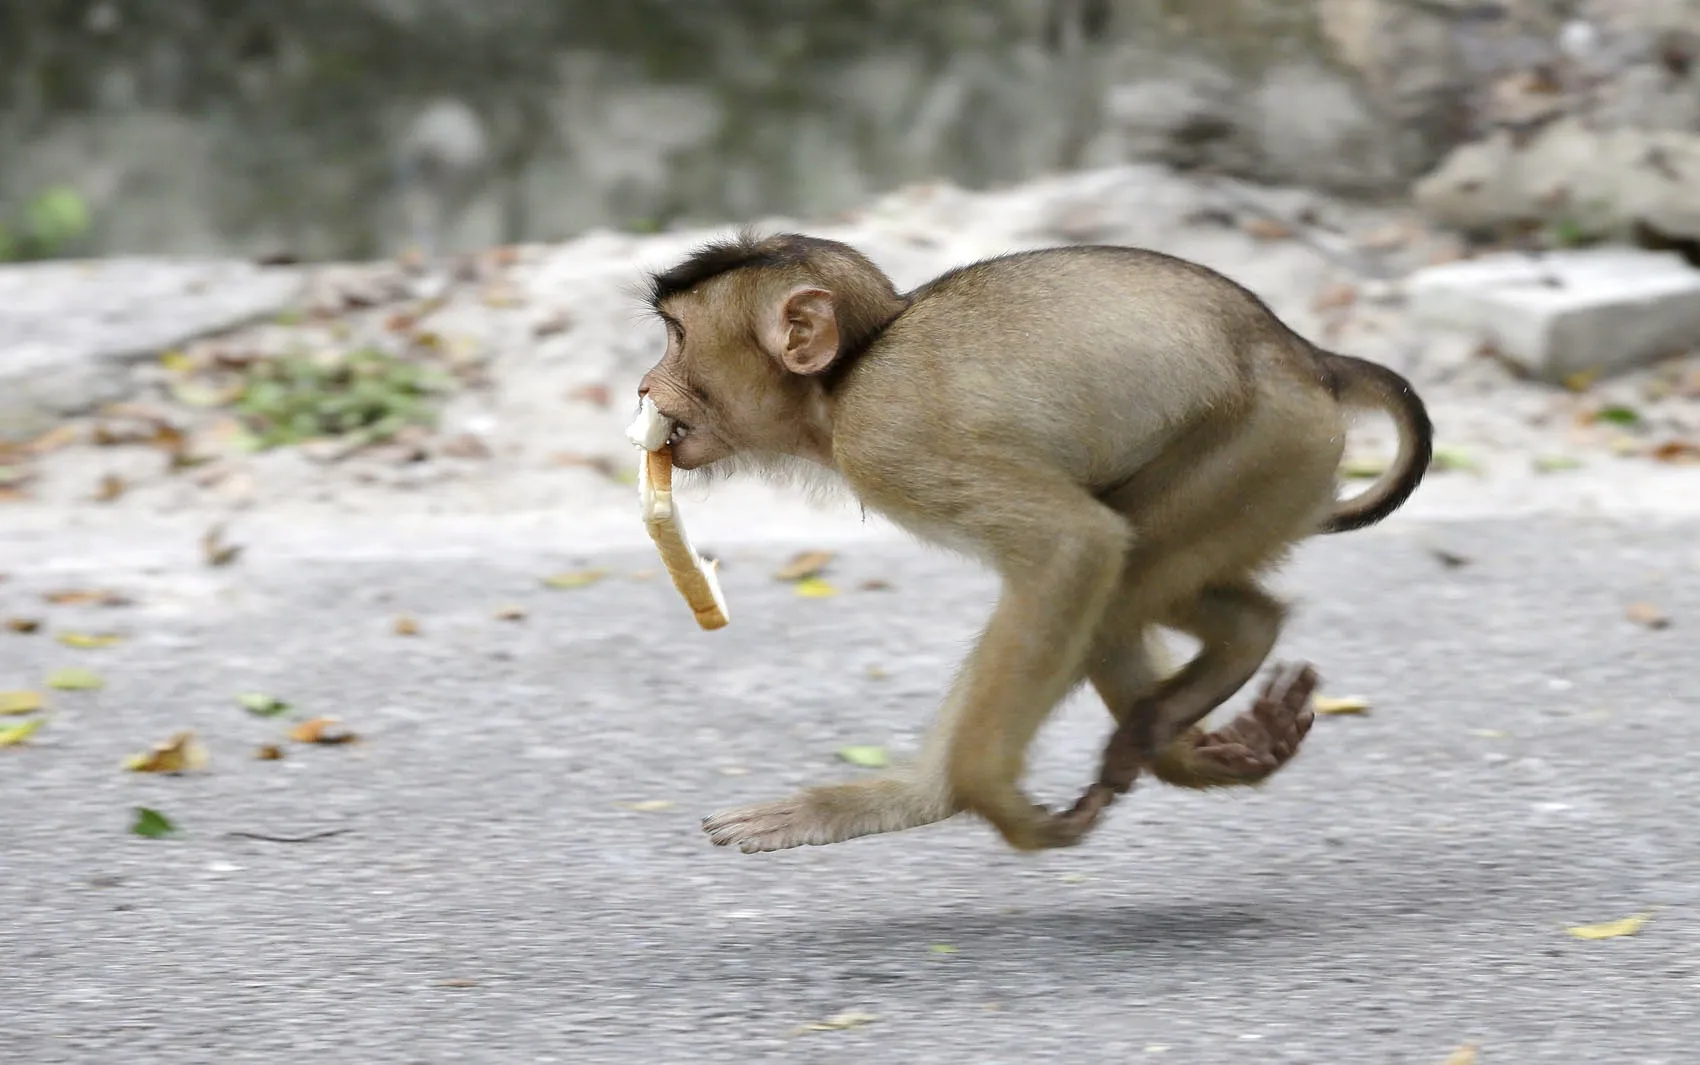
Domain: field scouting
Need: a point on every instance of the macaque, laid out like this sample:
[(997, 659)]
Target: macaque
[(1129, 440)]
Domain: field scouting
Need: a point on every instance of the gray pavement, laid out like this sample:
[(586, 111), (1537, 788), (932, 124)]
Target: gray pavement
[(1403, 889)]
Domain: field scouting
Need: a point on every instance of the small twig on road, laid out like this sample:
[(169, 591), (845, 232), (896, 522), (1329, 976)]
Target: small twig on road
[(309, 838)]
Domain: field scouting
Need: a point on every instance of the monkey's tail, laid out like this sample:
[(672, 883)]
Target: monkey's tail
[(1363, 384)]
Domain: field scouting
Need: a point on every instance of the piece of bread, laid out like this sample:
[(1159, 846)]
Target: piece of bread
[(695, 579)]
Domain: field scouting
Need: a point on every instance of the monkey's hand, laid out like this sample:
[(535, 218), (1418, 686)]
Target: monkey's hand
[(1250, 748)]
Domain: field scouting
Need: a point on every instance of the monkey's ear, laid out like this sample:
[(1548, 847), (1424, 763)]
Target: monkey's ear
[(803, 333)]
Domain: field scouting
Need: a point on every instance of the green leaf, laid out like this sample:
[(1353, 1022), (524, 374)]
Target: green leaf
[(152, 824), (865, 756), (1451, 458), (262, 705), (13, 735), (1618, 415), (574, 578), (1555, 463), (74, 679)]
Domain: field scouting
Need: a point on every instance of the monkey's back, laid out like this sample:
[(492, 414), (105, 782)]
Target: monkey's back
[(1137, 345)]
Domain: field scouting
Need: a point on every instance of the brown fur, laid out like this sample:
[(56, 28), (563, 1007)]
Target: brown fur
[(1128, 439)]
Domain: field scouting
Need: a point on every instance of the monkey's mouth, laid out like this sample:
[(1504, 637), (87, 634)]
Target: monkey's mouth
[(680, 431)]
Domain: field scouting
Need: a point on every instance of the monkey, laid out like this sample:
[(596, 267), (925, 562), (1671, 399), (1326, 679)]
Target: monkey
[(1130, 441)]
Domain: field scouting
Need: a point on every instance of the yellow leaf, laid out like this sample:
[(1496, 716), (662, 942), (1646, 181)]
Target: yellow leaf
[(268, 752), (942, 948), (650, 805), (574, 578), (178, 754), (321, 730), (814, 588), (13, 735), (176, 362), (74, 679), (838, 1022), (1464, 1055), (86, 639), (1610, 929), (20, 703), (1340, 704), (1648, 615), (405, 626), (802, 565)]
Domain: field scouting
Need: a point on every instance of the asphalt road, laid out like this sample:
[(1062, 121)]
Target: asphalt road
[(1403, 889)]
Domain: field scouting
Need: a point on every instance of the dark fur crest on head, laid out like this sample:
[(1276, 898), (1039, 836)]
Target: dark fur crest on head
[(865, 300)]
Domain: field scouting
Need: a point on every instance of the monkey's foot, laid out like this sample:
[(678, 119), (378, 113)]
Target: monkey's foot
[(1250, 748), (819, 816)]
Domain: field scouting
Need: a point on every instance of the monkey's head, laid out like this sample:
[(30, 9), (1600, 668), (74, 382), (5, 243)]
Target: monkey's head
[(753, 328)]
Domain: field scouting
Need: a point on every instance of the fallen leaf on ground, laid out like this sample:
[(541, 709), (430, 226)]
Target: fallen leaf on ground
[(1267, 229), (89, 596), (1617, 415), (20, 702), (1451, 458), (868, 757), (876, 585), (1363, 468), (1648, 615), (321, 730), (1075, 878), (74, 679), (841, 1021), (1677, 451), (1555, 463), (815, 588), (111, 487), (151, 824), (1582, 380), (1340, 704), (574, 578), (1610, 929), (54, 439), (1449, 559), (649, 806), (261, 704), (181, 753), (1464, 1055), (734, 771), (510, 613), (406, 626), (23, 625), (803, 564), (942, 948), (89, 639), (268, 752), (215, 551), (14, 735), (457, 983)]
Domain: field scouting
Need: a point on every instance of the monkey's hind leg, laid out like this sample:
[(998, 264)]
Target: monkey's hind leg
[(1248, 750)]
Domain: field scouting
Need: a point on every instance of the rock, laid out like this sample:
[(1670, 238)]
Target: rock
[(1598, 183), (1597, 310), (69, 330)]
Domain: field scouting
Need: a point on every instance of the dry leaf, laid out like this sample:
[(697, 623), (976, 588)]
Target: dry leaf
[(23, 625), (111, 487), (215, 551), (510, 613), (574, 578), (74, 679), (841, 1021), (180, 753), (54, 439), (1610, 929), (1677, 451), (89, 639), (1464, 1055), (803, 565), (321, 730), (876, 585), (15, 735), (814, 588), (406, 626), (1648, 615), (1449, 559), (81, 596), (1267, 229), (1340, 704), (268, 752), (650, 805), (1335, 297), (20, 702)]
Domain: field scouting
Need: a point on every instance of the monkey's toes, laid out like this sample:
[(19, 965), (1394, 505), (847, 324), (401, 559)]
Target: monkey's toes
[(766, 827)]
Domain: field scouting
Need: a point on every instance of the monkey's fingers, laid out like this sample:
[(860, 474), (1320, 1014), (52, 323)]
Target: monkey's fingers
[(1265, 737), (697, 581)]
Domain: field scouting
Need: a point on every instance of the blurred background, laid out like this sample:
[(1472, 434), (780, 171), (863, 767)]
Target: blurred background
[(357, 128)]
